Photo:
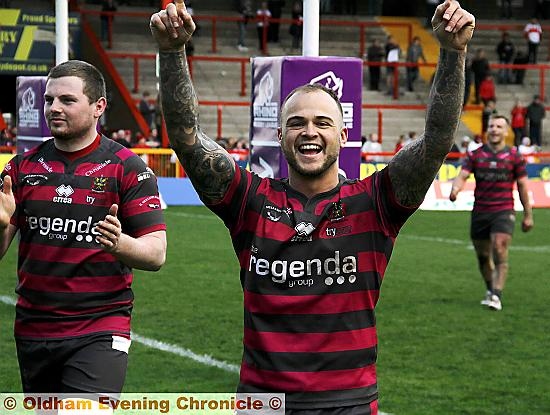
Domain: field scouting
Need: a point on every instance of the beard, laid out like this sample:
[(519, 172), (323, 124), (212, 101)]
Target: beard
[(303, 171), (66, 133)]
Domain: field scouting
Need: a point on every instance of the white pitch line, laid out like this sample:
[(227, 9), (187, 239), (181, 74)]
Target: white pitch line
[(165, 347), (191, 215), (180, 351), (7, 300), (544, 249), (171, 348)]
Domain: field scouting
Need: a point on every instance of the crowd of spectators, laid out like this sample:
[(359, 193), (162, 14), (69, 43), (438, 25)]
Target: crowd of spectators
[(7, 138), (526, 121)]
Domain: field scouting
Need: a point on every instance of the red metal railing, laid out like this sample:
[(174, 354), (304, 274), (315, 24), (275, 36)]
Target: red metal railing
[(115, 76), (219, 111), (542, 157), (243, 61), (136, 57), (510, 27), (379, 108), (541, 68), (8, 149), (216, 20)]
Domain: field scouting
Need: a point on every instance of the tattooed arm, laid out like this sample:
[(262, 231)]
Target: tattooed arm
[(208, 165), (7, 209), (414, 167)]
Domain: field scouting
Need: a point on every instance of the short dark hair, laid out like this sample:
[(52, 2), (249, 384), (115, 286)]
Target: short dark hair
[(500, 116), (307, 88), (94, 83)]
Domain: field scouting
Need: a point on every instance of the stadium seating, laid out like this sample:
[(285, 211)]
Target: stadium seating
[(221, 81)]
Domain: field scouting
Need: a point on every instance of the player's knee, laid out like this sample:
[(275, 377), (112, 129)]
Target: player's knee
[(483, 260), (501, 253)]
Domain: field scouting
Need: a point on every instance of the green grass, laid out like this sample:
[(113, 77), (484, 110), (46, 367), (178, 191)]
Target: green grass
[(440, 352)]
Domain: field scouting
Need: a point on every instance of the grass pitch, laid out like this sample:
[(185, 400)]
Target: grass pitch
[(440, 352)]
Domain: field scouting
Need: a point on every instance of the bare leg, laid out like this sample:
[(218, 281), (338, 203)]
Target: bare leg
[(500, 243), (485, 261)]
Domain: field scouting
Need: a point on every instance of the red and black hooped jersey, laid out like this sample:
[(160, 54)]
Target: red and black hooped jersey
[(311, 272), (67, 285), (495, 175)]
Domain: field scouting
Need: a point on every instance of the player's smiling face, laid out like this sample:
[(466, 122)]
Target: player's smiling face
[(312, 133), (497, 131)]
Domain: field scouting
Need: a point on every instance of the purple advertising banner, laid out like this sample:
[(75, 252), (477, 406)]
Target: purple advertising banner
[(265, 155), (341, 74), (31, 125)]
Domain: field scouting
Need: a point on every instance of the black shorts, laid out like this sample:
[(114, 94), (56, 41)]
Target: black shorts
[(366, 409), (91, 364), (483, 224)]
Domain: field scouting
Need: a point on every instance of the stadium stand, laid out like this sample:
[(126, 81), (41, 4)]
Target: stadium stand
[(217, 80)]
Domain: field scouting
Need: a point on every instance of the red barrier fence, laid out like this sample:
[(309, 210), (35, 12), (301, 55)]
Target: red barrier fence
[(215, 21), (380, 108), (243, 61), (385, 156)]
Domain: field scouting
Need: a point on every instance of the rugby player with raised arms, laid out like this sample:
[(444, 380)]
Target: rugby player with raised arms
[(313, 247)]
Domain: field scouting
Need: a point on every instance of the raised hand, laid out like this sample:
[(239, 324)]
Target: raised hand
[(109, 230), (172, 28), (7, 202), (452, 25)]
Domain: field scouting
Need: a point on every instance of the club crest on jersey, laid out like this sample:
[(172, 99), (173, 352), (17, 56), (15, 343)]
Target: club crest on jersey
[(336, 212), (34, 179), (99, 184), (273, 213), (63, 193)]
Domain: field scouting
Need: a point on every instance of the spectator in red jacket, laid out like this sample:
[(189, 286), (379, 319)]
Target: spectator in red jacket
[(517, 121), (487, 90)]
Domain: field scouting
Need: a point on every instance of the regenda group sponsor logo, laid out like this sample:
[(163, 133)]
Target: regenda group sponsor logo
[(333, 268), (64, 228)]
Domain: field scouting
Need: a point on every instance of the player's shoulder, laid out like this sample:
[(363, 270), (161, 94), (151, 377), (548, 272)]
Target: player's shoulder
[(41, 150), (513, 152), (121, 154)]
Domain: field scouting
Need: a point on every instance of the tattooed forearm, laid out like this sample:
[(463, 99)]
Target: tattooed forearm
[(413, 169), (208, 165)]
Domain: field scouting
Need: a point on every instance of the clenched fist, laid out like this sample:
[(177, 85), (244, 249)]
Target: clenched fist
[(453, 26)]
